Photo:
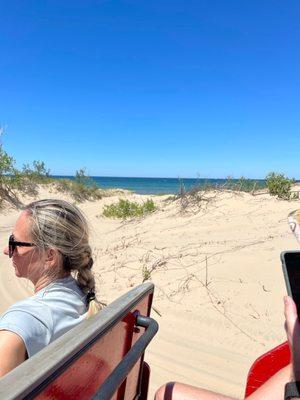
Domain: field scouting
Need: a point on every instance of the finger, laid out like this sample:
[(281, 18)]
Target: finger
[(290, 312)]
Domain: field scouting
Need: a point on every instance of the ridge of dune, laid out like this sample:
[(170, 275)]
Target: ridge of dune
[(217, 274)]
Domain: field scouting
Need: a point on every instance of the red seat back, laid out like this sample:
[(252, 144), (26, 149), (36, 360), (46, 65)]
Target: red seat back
[(76, 365), (266, 366)]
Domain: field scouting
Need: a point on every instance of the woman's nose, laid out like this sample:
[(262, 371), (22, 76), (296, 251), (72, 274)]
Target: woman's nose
[(5, 250)]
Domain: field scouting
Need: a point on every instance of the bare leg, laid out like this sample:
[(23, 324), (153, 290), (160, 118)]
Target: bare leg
[(273, 389), (180, 391)]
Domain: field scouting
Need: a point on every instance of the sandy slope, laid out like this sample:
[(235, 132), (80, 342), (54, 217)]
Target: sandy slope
[(218, 278)]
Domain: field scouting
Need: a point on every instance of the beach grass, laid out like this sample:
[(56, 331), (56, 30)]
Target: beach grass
[(128, 209)]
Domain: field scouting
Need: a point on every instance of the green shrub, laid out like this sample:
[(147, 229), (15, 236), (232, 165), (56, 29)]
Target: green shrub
[(279, 185), (37, 172), (148, 206), (248, 185), (81, 188), (237, 185), (128, 209), (242, 185), (81, 192), (63, 185), (146, 273), (14, 182)]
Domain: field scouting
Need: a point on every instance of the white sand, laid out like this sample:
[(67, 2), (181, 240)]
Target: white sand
[(218, 279)]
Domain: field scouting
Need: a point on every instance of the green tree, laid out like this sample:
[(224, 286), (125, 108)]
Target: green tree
[(9, 179), (37, 172), (14, 182)]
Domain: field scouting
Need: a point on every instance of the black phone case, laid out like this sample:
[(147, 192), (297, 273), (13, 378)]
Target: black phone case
[(287, 280), (285, 273)]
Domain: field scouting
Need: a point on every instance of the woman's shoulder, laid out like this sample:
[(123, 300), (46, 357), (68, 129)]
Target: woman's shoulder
[(63, 296), (32, 321), (60, 298), (29, 306), (65, 289)]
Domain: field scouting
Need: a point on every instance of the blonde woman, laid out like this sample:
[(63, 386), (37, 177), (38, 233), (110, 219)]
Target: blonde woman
[(49, 246)]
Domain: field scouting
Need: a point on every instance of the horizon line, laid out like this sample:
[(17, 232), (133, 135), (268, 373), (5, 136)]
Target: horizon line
[(159, 177)]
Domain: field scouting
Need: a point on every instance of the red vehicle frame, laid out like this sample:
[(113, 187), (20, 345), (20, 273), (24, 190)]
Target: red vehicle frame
[(102, 358)]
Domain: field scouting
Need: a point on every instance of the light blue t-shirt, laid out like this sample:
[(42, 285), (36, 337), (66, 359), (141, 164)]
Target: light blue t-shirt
[(48, 314)]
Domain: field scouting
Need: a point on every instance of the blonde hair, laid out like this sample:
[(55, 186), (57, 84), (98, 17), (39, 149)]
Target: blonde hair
[(60, 225)]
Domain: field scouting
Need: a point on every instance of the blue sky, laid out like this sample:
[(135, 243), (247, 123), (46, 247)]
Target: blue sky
[(152, 88)]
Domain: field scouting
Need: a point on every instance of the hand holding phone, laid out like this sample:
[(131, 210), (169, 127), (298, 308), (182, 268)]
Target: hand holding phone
[(291, 271), (291, 261)]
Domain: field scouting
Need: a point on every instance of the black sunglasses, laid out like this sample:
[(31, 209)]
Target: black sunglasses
[(12, 244)]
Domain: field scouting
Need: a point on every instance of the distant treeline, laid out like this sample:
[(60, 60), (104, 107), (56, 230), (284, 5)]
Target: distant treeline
[(15, 182)]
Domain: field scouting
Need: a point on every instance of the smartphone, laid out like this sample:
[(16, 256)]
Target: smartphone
[(291, 270)]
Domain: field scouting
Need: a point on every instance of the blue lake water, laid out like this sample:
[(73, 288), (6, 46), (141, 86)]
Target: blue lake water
[(154, 185)]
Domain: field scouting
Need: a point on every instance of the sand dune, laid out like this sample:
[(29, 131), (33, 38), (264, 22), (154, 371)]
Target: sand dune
[(218, 278)]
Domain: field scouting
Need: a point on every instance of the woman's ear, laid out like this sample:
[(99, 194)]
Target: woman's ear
[(52, 257)]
